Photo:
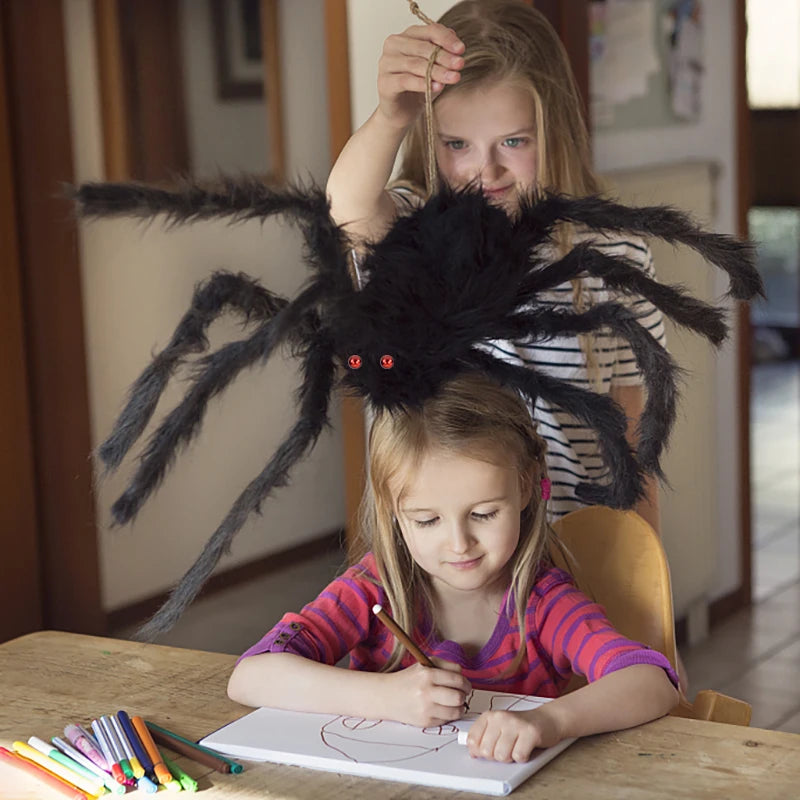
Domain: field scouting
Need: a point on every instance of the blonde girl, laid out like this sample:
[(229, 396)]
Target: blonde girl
[(507, 118), (455, 523)]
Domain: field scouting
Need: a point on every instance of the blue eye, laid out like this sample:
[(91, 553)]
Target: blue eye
[(455, 144), (514, 141)]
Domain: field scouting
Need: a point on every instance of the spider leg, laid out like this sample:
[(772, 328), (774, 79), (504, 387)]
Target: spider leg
[(621, 274), (595, 411), (216, 371), (237, 199), (733, 256), (211, 298), (658, 368), (314, 396)]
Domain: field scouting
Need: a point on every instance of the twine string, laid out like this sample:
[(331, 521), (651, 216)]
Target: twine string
[(431, 173)]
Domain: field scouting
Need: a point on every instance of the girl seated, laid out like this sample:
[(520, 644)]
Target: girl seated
[(455, 521)]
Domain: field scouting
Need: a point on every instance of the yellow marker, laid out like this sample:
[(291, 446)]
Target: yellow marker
[(26, 751)]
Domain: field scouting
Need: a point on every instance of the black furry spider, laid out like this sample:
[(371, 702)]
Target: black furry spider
[(444, 282)]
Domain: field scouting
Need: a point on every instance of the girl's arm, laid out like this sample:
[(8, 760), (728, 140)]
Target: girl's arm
[(631, 399), (357, 182), (418, 695), (621, 699)]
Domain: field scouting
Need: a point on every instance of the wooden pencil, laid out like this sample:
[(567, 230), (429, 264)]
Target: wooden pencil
[(401, 636)]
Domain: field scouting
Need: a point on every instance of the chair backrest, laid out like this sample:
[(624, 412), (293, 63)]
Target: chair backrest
[(617, 560)]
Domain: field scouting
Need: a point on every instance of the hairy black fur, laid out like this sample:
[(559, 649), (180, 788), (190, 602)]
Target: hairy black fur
[(442, 285)]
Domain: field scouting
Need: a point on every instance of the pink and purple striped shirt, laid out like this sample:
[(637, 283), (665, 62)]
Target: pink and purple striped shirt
[(566, 633)]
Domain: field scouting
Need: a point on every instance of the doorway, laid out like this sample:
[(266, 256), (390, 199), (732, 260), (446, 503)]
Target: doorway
[(773, 82)]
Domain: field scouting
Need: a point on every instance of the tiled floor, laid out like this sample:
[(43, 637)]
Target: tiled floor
[(775, 475), (754, 655)]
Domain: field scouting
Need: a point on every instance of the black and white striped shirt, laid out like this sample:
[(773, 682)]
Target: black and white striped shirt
[(572, 451)]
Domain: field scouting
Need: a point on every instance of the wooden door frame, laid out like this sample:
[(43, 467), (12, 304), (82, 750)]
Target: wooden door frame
[(742, 596), (52, 316), (20, 574), (139, 63)]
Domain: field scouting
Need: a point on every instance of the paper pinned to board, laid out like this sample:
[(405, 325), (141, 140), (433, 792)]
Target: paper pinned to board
[(382, 749)]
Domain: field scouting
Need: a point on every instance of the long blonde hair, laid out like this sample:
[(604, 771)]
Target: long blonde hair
[(509, 41), (470, 415)]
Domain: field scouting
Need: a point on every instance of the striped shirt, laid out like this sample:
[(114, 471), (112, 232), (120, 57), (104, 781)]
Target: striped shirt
[(573, 453), (565, 633)]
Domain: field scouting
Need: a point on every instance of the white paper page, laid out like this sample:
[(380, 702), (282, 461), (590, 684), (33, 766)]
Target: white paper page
[(381, 749)]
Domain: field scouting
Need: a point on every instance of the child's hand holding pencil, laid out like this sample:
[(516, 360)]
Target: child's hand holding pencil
[(427, 693)]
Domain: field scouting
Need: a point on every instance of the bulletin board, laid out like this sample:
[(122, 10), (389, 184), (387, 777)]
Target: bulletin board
[(646, 61)]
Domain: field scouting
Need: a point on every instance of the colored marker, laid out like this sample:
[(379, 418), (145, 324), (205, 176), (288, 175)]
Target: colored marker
[(116, 747), (190, 749), (105, 746), (51, 752), (81, 740), (187, 782), (127, 748), (401, 636), (78, 781), (41, 774), (159, 767), (135, 742), (144, 784), (68, 750)]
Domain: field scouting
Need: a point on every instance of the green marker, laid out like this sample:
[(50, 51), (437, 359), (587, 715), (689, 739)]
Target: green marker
[(188, 783), (73, 766)]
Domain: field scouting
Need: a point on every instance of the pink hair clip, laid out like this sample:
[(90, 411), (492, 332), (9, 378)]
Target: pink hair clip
[(546, 486)]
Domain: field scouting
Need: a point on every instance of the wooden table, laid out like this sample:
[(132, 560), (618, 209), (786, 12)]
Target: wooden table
[(49, 678)]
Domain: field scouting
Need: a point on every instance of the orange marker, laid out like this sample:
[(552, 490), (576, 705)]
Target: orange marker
[(41, 774), (159, 767)]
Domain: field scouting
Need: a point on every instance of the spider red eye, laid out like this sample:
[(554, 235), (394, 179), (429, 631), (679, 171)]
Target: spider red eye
[(354, 362), (387, 362)]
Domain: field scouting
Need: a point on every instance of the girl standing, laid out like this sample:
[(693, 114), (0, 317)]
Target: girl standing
[(507, 118), (458, 543)]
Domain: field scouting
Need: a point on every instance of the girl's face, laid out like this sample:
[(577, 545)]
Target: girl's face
[(486, 135), (460, 519)]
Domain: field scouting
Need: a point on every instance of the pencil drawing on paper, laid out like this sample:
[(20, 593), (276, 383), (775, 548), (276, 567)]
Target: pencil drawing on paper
[(380, 742)]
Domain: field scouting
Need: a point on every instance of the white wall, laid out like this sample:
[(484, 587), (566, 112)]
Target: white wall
[(137, 283), (712, 138), (230, 133)]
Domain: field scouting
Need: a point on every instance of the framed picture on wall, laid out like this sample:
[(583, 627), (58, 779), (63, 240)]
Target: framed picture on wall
[(237, 43)]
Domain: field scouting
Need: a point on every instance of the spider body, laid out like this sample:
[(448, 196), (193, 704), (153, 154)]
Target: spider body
[(425, 297), (440, 287)]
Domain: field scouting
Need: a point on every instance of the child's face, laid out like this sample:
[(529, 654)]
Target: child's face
[(486, 134), (460, 518)]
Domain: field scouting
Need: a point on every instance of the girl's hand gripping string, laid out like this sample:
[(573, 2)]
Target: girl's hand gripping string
[(403, 67)]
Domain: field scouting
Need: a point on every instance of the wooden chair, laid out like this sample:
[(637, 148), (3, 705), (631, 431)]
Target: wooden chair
[(617, 560)]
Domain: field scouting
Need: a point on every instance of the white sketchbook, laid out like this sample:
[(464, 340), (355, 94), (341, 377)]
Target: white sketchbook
[(380, 749)]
